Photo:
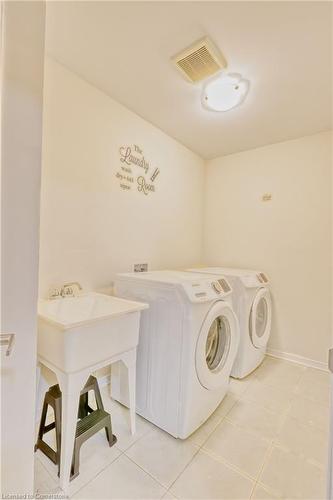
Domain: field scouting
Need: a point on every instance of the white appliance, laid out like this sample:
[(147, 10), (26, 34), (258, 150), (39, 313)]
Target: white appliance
[(253, 306), (188, 342)]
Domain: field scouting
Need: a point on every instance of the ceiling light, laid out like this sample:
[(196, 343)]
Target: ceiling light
[(225, 92)]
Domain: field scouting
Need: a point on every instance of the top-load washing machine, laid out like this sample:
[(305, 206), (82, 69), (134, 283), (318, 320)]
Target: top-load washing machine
[(188, 342), (253, 306)]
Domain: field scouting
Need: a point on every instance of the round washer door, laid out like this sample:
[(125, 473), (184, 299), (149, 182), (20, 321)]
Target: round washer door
[(261, 318), (217, 346)]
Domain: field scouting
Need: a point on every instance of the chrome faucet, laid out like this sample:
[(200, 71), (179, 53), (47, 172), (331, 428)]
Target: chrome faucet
[(67, 290), (75, 283)]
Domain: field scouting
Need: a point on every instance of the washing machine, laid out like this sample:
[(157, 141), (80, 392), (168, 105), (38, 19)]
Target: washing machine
[(188, 342), (253, 306)]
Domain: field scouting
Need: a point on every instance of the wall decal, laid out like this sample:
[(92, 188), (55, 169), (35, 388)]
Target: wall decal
[(266, 197), (135, 170)]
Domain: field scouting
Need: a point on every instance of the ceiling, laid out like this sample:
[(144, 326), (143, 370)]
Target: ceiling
[(283, 48)]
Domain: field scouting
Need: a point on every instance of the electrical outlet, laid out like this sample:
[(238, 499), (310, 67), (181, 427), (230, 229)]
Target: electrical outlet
[(266, 197), (140, 268)]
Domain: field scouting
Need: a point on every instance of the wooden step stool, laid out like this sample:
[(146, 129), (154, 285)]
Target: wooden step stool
[(90, 422)]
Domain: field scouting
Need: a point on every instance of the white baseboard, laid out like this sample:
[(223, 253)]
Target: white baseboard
[(295, 358)]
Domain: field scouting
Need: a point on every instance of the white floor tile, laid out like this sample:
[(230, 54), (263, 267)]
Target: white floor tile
[(44, 482), (252, 416), (239, 386), (95, 455), (239, 447), (206, 478), (310, 412), (315, 385), (309, 442), (162, 456), (260, 493), (227, 404), (279, 401), (202, 434), (122, 480), (169, 496), (121, 427), (293, 477), (317, 376), (279, 373), (271, 397)]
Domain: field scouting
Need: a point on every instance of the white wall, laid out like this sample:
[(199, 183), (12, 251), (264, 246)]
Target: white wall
[(90, 228), (288, 237), (22, 57)]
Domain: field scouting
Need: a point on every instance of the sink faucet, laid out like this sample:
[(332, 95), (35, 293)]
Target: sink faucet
[(55, 293), (68, 289)]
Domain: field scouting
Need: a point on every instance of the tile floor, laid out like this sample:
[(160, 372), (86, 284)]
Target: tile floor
[(267, 440)]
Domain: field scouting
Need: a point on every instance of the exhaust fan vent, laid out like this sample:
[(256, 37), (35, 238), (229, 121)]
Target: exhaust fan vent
[(200, 60)]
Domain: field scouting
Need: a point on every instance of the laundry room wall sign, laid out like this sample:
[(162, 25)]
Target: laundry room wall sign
[(135, 171)]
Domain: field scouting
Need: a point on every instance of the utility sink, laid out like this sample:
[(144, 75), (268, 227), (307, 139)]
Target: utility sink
[(77, 332)]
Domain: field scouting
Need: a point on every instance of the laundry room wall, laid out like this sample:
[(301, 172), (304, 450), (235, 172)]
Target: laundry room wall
[(288, 236), (92, 225)]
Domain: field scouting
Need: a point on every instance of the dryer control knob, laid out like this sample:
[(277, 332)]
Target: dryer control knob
[(217, 287)]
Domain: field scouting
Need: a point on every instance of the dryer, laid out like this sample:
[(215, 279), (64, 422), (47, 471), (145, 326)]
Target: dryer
[(253, 306), (188, 342)]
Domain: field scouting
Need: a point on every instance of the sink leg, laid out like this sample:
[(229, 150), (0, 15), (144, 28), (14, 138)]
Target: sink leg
[(110, 386), (131, 390), (130, 362), (70, 402), (38, 396)]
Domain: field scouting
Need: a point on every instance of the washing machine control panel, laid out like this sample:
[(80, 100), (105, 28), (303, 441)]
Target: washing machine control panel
[(206, 290), (254, 280), (225, 285), (263, 278), (217, 287)]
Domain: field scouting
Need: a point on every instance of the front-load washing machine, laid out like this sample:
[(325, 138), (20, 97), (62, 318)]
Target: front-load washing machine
[(253, 306), (187, 346)]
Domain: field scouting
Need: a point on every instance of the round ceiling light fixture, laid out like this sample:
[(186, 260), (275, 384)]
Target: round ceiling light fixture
[(225, 92)]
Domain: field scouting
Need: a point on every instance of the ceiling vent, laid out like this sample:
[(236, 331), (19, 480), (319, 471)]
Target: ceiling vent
[(199, 61)]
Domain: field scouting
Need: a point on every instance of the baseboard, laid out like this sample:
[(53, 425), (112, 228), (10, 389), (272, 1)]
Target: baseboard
[(295, 358)]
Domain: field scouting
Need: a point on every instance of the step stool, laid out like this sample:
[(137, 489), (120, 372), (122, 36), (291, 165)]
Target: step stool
[(52, 398), (90, 422)]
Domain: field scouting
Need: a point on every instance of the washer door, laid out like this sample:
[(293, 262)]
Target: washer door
[(217, 346), (261, 318)]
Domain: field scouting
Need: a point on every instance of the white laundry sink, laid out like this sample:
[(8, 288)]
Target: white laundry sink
[(77, 332)]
